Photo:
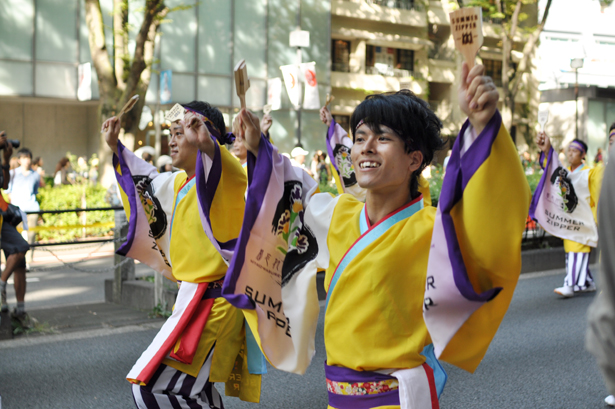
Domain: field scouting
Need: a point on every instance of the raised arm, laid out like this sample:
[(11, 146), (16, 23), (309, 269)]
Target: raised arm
[(475, 259)]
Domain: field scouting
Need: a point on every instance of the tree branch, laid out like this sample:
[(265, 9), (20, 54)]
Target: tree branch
[(120, 37), (155, 10), (98, 48), (528, 50)]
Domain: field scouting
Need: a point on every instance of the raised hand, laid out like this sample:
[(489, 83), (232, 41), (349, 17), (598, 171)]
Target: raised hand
[(478, 96), (543, 142), (111, 127), (266, 123), (325, 116), (246, 128), (197, 133)]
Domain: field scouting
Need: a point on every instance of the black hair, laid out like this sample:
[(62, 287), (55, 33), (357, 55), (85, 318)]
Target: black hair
[(409, 117), (210, 112), (583, 144), (612, 127), (24, 152)]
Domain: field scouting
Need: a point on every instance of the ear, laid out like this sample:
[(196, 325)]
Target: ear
[(416, 160)]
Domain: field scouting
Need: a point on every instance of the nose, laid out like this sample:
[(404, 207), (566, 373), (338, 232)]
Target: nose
[(369, 145), (172, 141)]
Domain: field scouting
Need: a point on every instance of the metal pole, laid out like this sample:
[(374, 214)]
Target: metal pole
[(299, 58), (158, 140), (576, 103), (298, 121)]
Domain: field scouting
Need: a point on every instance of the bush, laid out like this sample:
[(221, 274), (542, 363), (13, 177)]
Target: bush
[(435, 183), (70, 197)]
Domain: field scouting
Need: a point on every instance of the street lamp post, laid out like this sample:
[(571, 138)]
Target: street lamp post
[(575, 64)]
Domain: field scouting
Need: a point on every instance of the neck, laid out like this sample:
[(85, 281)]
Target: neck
[(573, 167), (380, 204), (25, 169), (190, 172)]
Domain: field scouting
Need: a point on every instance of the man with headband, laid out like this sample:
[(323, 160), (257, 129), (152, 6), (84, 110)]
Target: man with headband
[(185, 225), (403, 280), (578, 276)]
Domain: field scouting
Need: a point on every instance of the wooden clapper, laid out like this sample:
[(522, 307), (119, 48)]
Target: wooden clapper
[(242, 82), (543, 117), (329, 100), (467, 30)]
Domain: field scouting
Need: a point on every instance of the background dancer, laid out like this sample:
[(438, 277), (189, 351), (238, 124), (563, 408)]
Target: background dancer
[(184, 225), (578, 276)]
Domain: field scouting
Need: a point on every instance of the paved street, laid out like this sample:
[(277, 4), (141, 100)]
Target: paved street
[(537, 360)]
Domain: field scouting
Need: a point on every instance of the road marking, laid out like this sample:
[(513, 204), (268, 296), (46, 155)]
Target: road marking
[(95, 333)]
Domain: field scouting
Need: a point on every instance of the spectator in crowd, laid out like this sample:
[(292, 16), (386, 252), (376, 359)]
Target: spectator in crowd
[(14, 163), (22, 191), (15, 248), (324, 171), (61, 173), (146, 156), (298, 158), (37, 165), (315, 163)]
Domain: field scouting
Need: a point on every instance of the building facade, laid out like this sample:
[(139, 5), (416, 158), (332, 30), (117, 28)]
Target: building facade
[(587, 35), (43, 43)]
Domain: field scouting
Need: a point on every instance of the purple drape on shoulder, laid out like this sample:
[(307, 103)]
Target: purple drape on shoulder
[(459, 171), (127, 185), (257, 188), (541, 184), (330, 133), (206, 187)]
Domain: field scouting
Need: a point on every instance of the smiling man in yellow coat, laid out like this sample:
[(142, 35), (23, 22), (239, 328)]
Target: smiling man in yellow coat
[(403, 281)]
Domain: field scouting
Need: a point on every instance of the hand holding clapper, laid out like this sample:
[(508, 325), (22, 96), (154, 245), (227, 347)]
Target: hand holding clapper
[(242, 82), (467, 30)]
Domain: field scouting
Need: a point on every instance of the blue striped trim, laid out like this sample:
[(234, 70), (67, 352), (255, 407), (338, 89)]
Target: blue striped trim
[(180, 196), (368, 237)]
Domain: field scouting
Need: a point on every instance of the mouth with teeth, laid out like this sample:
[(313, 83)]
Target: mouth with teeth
[(369, 165)]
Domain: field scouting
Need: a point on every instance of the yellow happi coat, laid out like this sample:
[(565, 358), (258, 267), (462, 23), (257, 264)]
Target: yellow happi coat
[(595, 176), (190, 257), (374, 319)]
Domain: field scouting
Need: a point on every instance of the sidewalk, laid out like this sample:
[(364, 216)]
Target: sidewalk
[(64, 300)]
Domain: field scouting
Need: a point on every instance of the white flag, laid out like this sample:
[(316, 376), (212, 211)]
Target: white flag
[(311, 99), (84, 89), (291, 80), (274, 93)]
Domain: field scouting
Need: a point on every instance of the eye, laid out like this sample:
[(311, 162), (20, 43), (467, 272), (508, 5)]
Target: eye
[(384, 138), (359, 139)]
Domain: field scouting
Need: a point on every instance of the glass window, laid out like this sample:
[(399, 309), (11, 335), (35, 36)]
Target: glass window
[(340, 55), (15, 78), (251, 36), (16, 22), (216, 90), (183, 88), (56, 30), (405, 60), (493, 69), (178, 39), (56, 80), (315, 17), (215, 37)]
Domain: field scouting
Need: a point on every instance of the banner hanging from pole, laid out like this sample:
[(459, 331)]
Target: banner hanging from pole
[(291, 75), (311, 99)]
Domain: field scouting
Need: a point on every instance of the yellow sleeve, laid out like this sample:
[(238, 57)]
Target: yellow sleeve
[(489, 221), (229, 201), (595, 184)]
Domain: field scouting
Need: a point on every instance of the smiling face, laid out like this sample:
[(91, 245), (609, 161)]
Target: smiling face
[(239, 150), (575, 156), (380, 160), (183, 153)]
